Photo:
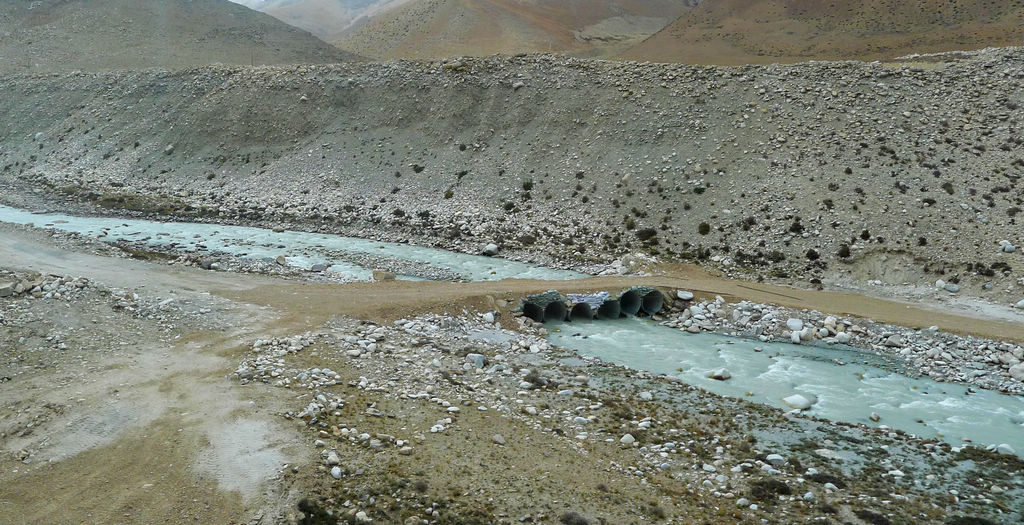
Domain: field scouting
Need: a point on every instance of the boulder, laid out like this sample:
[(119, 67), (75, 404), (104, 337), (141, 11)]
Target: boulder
[(794, 325), (383, 275), (491, 249), (721, 374), (6, 289), (843, 338), (1017, 371), (684, 295), (798, 401), (477, 360), (1020, 304)]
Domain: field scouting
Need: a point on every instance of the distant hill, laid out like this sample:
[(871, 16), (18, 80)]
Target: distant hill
[(61, 35), (732, 32), (327, 19), (444, 28)]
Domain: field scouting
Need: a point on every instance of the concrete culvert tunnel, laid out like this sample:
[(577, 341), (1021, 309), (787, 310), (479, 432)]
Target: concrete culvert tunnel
[(555, 311), (581, 311), (533, 311), (609, 309), (630, 302), (652, 302)]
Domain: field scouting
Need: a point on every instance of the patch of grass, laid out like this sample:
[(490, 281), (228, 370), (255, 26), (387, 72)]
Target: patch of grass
[(872, 517), (768, 489), (573, 518)]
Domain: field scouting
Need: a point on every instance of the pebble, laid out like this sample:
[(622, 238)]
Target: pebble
[(498, 439), (627, 439), (336, 472)]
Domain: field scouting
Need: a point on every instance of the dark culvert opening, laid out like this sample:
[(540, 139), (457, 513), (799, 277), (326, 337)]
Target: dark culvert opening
[(609, 310), (534, 311), (555, 311), (653, 302), (581, 311), (630, 302)]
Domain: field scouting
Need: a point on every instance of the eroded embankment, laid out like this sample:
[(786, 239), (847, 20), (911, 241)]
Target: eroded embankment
[(781, 170)]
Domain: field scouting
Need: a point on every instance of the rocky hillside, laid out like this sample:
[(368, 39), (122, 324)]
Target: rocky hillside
[(445, 28), (735, 32), (64, 35), (896, 172)]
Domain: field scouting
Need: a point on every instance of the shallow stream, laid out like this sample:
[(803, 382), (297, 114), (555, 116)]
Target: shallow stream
[(301, 249), (849, 384)]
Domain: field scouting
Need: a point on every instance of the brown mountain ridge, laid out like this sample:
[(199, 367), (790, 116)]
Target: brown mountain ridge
[(733, 32)]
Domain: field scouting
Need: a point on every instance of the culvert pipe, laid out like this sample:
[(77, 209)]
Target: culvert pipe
[(609, 309), (556, 311), (652, 302), (581, 312), (534, 311), (547, 306), (630, 302)]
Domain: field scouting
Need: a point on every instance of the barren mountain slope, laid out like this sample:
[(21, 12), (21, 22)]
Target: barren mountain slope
[(733, 32), (905, 173), (63, 35), (444, 28), (327, 19)]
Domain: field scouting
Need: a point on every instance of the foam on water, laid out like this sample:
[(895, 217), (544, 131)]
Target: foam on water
[(845, 392), (302, 249)]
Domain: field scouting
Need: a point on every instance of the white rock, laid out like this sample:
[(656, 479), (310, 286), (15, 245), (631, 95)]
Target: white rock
[(1020, 304), (336, 472), (491, 249), (721, 374), (684, 295), (798, 401), (1017, 371), (843, 338), (477, 360), (1003, 448), (627, 439), (776, 460), (794, 325), (333, 459), (488, 317)]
